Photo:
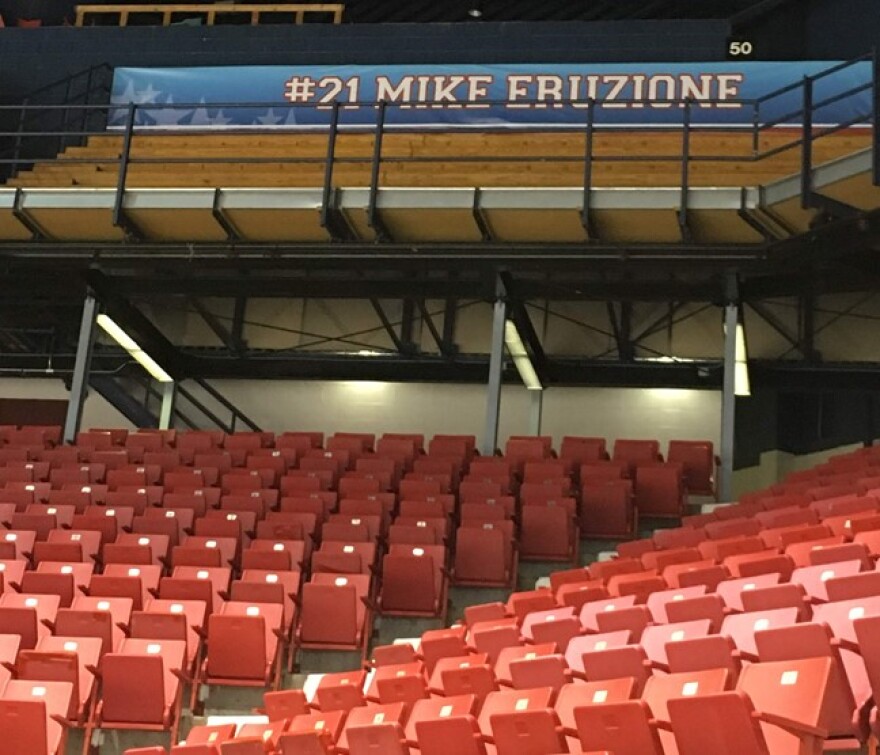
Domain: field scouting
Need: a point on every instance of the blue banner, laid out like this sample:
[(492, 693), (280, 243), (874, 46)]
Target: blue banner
[(495, 96)]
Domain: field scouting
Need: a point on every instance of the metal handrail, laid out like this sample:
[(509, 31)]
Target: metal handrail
[(130, 132)]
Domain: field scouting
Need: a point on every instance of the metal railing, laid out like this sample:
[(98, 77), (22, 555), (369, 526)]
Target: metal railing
[(801, 120)]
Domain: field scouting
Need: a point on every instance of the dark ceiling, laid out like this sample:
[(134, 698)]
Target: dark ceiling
[(385, 11)]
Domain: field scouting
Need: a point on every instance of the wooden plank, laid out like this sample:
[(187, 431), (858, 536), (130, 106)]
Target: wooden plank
[(298, 10)]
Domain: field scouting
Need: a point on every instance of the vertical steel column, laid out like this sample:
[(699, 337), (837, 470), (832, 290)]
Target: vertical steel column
[(81, 366), (166, 413), (536, 412), (496, 365), (728, 403)]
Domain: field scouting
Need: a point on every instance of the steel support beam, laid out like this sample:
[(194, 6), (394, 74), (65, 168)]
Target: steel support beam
[(82, 364), (386, 323), (536, 412), (496, 367), (728, 403), (166, 413)]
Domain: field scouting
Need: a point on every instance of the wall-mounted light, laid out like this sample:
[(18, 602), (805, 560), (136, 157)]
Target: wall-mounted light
[(741, 384), (112, 329), (521, 359)]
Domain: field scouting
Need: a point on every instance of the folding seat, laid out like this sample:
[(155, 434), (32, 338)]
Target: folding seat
[(543, 671), (11, 572), (800, 553), (244, 645), (118, 608), (340, 691), (227, 546), (787, 595), (88, 540), (658, 600), (865, 584), (131, 498), (274, 555), (469, 491), (870, 539), (219, 579), (29, 615), (97, 493), (816, 641), (288, 525), (814, 578), (831, 491), (40, 524), (515, 653), (850, 525), (485, 555), (659, 490), (590, 611), (366, 552), (794, 699), (333, 615), (849, 504), (29, 717), (547, 469), (733, 528), (491, 510), (706, 573), (656, 640), (548, 490), (65, 659), (44, 583), (605, 570), (492, 636), (346, 532), (677, 537), (558, 626), (442, 643), (635, 619), (396, 683), (635, 548), (582, 449), (20, 541), (421, 532), (762, 562), (431, 507), (461, 446), (737, 511), (634, 452), (458, 732), (172, 620), (141, 686), (638, 584), (713, 651), (658, 560), (709, 607), (742, 627), (512, 701), (608, 510), (259, 585), (414, 582), (301, 482), (378, 728), (592, 643), (730, 589), (698, 462), (549, 533)]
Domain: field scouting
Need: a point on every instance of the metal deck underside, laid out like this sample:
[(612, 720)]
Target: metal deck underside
[(435, 215)]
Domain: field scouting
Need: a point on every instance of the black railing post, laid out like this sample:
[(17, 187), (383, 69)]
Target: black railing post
[(376, 165), (685, 169), (756, 127), (65, 115), (807, 145), (19, 135), (586, 221), (328, 166), (84, 120), (123, 165), (875, 75)]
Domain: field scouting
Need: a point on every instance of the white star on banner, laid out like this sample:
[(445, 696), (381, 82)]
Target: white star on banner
[(270, 119), (167, 116)]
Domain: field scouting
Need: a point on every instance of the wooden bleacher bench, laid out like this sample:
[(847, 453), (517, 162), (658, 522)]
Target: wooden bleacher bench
[(210, 11)]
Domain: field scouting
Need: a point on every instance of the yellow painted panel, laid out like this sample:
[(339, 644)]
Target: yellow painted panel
[(278, 225), (427, 224), (77, 225), (177, 225)]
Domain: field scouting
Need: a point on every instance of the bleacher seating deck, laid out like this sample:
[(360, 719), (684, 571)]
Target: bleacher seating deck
[(298, 12), (762, 611)]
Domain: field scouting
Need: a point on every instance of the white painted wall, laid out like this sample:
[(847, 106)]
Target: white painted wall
[(96, 413)]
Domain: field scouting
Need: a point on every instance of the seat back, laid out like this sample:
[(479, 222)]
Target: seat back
[(23, 723), (236, 647), (329, 614), (133, 689), (723, 723), (526, 732), (408, 583), (621, 727)]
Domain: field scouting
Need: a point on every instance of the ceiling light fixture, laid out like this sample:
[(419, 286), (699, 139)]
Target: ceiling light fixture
[(112, 329)]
